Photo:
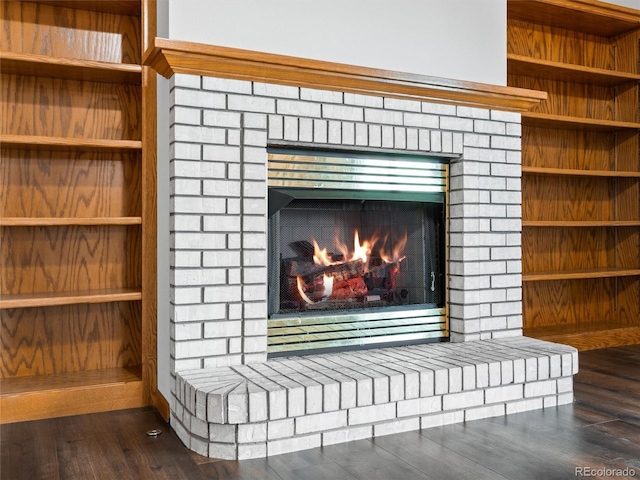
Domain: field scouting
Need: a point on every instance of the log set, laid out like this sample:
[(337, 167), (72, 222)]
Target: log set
[(353, 280)]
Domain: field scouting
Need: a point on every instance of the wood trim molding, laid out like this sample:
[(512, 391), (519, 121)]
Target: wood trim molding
[(168, 57), (151, 394)]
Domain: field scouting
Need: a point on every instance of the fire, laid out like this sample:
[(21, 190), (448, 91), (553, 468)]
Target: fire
[(352, 269), (327, 285), (396, 255), (321, 257), (361, 251)]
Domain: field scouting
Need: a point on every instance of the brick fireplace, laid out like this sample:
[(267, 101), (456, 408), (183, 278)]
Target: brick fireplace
[(229, 400)]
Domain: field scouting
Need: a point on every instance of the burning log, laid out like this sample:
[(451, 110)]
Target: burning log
[(352, 288), (339, 272)]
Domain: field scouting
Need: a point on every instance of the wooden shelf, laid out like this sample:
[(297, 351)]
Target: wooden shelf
[(14, 63), (580, 274), (70, 298), (523, 65), (59, 395), (532, 119), (580, 223), (578, 173), (588, 336), (120, 7), (597, 18), (56, 143), (45, 222)]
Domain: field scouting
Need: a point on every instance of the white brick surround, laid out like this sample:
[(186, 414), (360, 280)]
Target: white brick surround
[(219, 132)]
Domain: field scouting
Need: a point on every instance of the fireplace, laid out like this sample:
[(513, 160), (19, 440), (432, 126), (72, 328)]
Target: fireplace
[(260, 175), (356, 250)]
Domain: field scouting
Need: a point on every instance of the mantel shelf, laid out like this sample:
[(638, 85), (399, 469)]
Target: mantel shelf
[(70, 298), (523, 65), (34, 142), (532, 119), (51, 221), (69, 68), (580, 274), (578, 173), (168, 57), (580, 223)]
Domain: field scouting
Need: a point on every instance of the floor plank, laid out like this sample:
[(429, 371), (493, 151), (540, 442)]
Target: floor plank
[(28, 450), (601, 429)]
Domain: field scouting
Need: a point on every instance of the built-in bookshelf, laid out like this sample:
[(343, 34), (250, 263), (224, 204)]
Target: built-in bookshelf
[(580, 171)]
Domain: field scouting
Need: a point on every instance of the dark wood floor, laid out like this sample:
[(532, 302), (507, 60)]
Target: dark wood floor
[(601, 430)]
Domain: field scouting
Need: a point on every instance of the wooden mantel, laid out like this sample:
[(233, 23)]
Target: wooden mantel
[(168, 57)]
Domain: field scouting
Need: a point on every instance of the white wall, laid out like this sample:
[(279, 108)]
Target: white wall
[(459, 39), (626, 3)]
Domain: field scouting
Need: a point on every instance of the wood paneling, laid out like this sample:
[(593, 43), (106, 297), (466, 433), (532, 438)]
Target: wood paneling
[(69, 33), (570, 149), (548, 304), (69, 184), (67, 108), (63, 259), (544, 42), (558, 198), (550, 249), (573, 99), (71, 338)]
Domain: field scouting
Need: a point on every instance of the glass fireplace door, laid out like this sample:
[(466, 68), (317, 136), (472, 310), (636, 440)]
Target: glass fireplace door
[(350, 265)]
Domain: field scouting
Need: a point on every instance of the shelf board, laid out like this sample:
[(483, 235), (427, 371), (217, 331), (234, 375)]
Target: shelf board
[(580, 274), (70, 298), (533, 67), (120, 7), (579, 173), (60, 143), (588, 336), (580, 223), (60, 395), (532, 119), (50, 221), (69, 68), (597, 18)]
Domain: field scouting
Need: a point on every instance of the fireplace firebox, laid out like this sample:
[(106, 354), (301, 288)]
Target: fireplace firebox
[(356, 250)]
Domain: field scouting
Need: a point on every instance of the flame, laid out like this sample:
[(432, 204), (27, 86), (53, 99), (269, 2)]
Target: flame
[(301, 291), (326, 293), (361, 251), (396, 255), (328, 286), (321, 256)]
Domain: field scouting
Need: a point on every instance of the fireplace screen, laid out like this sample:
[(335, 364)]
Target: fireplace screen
[(350, 265)]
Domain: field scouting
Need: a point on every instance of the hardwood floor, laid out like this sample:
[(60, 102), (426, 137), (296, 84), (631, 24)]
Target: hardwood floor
[(600, 430)]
